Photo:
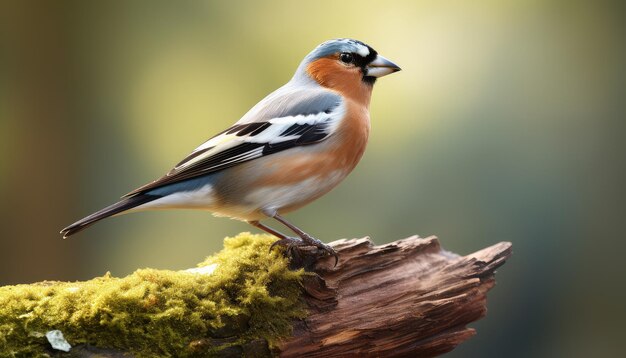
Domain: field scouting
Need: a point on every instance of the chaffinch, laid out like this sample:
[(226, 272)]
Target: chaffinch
[(292, 147)]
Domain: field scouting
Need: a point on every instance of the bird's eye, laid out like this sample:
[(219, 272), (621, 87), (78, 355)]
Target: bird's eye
[(346, 57)]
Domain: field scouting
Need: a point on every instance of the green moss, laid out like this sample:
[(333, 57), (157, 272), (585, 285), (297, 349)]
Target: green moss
[(251, 295)]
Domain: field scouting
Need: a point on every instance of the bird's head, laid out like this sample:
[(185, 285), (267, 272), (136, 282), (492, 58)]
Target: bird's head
[(345, 65)]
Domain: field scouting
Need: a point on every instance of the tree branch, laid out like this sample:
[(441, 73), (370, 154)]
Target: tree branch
[(406, 298)]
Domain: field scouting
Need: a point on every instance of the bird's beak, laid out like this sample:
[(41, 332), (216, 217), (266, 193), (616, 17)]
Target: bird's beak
[(381, 67)]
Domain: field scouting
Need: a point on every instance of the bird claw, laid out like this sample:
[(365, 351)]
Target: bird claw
[(322, 246), (292, 243), (289, 243)]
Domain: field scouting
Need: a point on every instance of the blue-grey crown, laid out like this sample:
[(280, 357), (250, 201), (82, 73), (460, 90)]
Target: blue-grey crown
[(340, 45)]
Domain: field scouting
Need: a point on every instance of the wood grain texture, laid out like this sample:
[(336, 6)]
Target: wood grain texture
[(407, 298)]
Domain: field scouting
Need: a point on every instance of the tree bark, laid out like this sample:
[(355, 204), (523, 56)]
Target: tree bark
[(406, 298)]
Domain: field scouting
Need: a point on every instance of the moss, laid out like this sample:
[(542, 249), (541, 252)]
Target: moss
[(251, 295)]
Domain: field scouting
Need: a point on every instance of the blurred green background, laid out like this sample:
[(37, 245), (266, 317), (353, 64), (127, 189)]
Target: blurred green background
[(506, 123)]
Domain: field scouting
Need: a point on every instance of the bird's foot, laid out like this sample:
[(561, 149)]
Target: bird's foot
[(310, 240), (289, 243), (296, 249)]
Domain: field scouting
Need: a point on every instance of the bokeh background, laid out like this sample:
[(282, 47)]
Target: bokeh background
[(506, 123)]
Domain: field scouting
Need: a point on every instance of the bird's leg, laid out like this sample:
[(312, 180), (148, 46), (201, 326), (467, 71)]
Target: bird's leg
[(304, 236), (288, 242)]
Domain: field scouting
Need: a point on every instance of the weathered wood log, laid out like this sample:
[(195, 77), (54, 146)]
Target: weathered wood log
[(406, 298)]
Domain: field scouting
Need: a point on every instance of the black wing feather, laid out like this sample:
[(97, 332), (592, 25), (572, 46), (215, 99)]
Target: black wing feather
[(307, 134)]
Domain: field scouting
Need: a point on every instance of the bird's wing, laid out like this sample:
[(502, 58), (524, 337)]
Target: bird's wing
[(277, 123)]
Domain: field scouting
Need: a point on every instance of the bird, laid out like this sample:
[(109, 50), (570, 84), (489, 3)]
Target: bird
[(292, 147)]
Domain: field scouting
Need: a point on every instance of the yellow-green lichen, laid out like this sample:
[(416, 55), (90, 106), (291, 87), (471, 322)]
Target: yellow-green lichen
[(251, 295)]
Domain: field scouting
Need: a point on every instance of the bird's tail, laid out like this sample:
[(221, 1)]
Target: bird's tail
[(117, 208)]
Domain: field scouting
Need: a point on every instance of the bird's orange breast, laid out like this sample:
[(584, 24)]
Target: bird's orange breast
[(303, 173), (339, 153)]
